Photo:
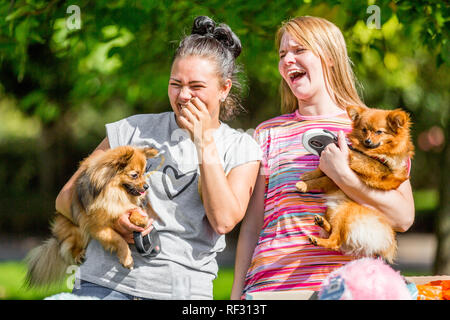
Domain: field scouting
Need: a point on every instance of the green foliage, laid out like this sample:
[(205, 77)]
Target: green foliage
[(64, 84), (123, 49), (426, 200)]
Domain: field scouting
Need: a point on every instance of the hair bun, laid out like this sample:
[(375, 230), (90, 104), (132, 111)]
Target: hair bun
[(229, 40), (203, 25)]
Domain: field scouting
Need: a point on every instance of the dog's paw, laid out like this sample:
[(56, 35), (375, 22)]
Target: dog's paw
[(301, 186), (128, 263), (307, 176), (77, 254), (318, 220), (313, 240), (80, 258), (138, 218)]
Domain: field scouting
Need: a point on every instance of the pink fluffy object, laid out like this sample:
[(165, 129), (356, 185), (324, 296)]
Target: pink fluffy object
[(364, 279)]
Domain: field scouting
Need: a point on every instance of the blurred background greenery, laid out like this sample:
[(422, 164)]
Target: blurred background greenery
[(60, 83)]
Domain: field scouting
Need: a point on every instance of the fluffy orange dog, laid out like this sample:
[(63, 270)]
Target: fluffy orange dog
[(109, 185), (381, 149)]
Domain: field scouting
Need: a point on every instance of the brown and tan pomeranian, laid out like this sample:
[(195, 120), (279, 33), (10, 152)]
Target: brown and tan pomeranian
[(109, 185), (380, 150)]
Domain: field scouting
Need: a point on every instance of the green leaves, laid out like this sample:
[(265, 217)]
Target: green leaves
[(17, 13), (127, 46)]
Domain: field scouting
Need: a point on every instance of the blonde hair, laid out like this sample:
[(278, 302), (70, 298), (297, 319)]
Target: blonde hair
[(326, 41)]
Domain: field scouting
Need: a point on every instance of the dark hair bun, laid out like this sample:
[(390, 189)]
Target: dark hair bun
[(205, 26), (227, 37)]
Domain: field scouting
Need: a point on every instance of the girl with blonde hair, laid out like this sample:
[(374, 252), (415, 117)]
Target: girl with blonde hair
[(273, 252)]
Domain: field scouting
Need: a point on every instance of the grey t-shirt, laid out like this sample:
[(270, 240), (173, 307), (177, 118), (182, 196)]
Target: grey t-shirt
[(189, 244)]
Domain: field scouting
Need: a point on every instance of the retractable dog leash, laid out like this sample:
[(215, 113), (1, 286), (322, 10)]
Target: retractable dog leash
[(148, 245), (315, 140)]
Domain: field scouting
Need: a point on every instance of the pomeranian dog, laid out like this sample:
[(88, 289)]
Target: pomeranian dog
[(109, 185), (380, 150)]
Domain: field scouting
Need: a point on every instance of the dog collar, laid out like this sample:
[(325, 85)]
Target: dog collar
[(381, 160)]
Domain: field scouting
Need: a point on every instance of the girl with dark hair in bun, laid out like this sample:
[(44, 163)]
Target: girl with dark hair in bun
[(200, 183)]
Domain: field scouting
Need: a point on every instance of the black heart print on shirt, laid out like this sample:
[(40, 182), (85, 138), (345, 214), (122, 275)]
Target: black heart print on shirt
[(178, 181)]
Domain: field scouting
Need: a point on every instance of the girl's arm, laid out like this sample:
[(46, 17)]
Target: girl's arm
[(248, 237), (64, 199), (225, 198), (397, 205)]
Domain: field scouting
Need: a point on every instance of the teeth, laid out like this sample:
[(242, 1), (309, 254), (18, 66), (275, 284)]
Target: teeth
[(294, 73)]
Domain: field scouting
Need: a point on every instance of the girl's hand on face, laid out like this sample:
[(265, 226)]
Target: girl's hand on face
[(196, 119), (334, 159)]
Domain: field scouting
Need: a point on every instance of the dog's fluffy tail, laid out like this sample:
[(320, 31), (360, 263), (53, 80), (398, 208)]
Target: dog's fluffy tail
[(45, 264), (48, 263)]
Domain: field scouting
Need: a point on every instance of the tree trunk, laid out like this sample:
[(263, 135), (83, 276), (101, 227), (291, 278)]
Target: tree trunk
[(46, 160), (54, 146), (442, 260)]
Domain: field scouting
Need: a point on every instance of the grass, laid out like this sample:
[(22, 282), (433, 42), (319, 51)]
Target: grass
[(223, 283), (12, 275)]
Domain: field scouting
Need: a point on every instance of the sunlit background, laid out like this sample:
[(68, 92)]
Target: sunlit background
[(60, 82)]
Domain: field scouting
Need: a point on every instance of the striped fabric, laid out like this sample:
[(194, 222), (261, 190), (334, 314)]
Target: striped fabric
[(284, 259)]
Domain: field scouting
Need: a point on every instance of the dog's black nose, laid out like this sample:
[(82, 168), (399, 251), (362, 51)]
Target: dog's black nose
[(145, 186), (368, 142)]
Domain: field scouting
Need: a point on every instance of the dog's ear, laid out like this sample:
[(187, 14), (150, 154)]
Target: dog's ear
[(150, 152), (354, 112), (397, 119), (92, 181), (121, 158), (85, 192)]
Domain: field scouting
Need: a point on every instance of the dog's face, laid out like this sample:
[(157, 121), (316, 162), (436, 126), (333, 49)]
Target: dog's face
[(131, 176), (120, 168), (130, 165), (376, 130)]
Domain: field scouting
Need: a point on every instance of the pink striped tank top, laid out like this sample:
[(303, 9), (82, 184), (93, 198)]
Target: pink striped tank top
[(284, 259)]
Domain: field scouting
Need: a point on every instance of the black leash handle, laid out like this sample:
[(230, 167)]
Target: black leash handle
[(149, 245), (319, 142)]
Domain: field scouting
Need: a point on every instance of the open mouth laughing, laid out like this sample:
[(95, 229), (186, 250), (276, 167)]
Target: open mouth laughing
[(296, 74)]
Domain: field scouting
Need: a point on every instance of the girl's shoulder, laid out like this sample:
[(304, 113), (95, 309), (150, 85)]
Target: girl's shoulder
[(277, 121), (229, 136), (146, 117), (154, 123)]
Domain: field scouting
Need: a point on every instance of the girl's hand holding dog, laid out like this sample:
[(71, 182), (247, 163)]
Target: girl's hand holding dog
[(125, 227), (334, 159), (196, 118)]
